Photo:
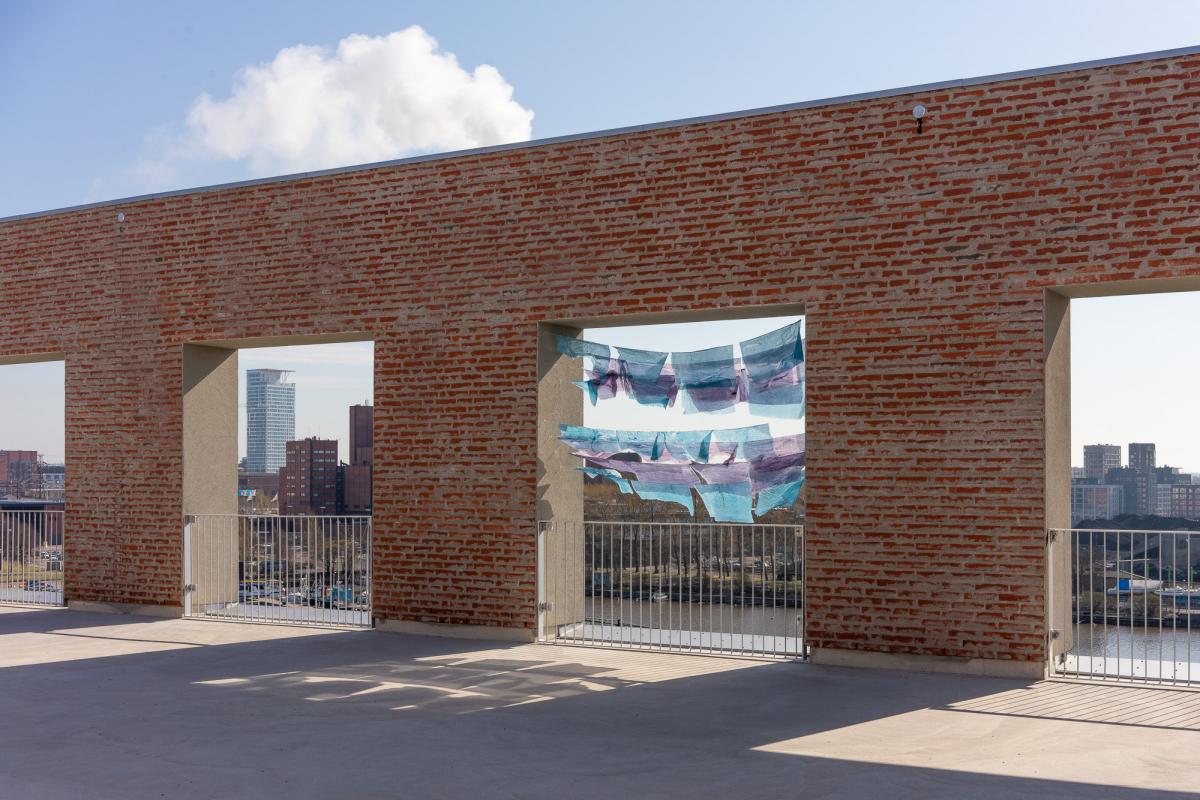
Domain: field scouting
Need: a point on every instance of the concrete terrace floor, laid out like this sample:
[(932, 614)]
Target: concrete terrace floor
[(100, 706)]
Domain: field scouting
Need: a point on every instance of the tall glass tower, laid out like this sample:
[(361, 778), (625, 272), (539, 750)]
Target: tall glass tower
[(270, 418)]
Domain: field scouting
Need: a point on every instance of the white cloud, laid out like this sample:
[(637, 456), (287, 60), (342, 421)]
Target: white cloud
[(370, 99)]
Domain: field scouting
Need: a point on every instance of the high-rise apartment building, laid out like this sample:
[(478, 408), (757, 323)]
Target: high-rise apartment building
[(1098, 459), (362, 436), (1096, 501), (355, 479), (1142, 455), (1138, 485), (270, 418), (308, 482)]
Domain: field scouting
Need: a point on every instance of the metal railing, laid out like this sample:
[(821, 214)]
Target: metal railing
[(285, 570), (31, 557), (697, 587), (1130, 609)]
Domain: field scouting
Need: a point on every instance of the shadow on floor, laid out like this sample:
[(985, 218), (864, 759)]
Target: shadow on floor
[(248, 711)]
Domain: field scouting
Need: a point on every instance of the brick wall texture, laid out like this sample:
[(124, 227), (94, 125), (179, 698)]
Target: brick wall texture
[(921, 261)]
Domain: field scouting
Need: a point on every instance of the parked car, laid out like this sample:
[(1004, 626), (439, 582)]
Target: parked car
[(296, 597), (340, 597), (250, 593)]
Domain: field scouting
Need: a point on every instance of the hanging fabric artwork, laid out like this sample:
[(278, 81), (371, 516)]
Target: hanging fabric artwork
[(609, 474), (775, 370), (644, 377), (666, 492), (737, 472), (727, 502), (709, 380), (769, 374), (783, 496)]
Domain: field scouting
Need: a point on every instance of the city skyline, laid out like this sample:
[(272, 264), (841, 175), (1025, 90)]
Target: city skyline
[(328, 379)]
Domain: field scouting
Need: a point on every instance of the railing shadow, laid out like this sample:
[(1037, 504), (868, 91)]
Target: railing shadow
[(265, 710)]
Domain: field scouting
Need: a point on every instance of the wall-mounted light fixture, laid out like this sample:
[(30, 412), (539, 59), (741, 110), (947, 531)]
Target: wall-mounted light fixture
[(919, 116), (120, 216)]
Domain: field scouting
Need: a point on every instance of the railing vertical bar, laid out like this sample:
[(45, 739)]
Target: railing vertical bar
[(1161, 585), (667, 532), (723, 641), (1174, 614)]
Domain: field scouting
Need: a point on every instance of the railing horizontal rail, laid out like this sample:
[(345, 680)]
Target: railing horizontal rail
[(31, 558), (293, 570), (696, 587)]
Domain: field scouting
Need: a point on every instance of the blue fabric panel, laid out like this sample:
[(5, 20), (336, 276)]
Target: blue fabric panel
[(737, 435), (577, 348), (733, 472), (727, 502), (651, 445), (667, 493), (772, 353), (782, 396), (708, 378), (609, 474), (647, 444), (651, 471), (782, 496), (590, 389), (644, 377), (697, 451)]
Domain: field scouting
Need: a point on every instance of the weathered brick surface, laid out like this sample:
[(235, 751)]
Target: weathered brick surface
[(921, 261)]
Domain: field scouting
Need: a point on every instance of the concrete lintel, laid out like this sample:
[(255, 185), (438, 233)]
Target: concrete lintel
[(32, 358), (288, 340), (132, 609), (482, 632), (711, 314), (986, 667), (1102, 288)]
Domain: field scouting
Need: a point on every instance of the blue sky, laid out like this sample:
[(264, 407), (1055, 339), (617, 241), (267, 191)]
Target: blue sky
[(103, 100)]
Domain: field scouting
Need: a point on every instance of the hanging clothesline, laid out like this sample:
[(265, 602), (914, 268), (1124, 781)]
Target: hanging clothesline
[(737, 472), (769, 374)]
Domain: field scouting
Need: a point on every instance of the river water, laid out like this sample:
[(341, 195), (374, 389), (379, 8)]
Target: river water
[(1120, 641), (616, 619), (673, 615)]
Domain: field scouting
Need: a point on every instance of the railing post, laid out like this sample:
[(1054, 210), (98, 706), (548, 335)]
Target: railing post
[(187, 566), (541, 582)]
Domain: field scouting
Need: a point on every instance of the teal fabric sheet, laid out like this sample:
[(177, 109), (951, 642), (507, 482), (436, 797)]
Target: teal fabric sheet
[(727, 502)]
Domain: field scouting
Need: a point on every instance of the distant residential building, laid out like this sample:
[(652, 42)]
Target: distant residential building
[(1185, 500), (53, 476), (362, 435), (1137, 487), (19, 473), (1142, 455), (264, 483), (270, 418), (1096, 501), (355, 479), (1098, 459), (1162, 503), (308, 482), (1171, 475), (354, 489), (1077, 473)]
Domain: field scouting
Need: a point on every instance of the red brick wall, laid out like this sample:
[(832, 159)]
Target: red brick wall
[(921, 261)]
